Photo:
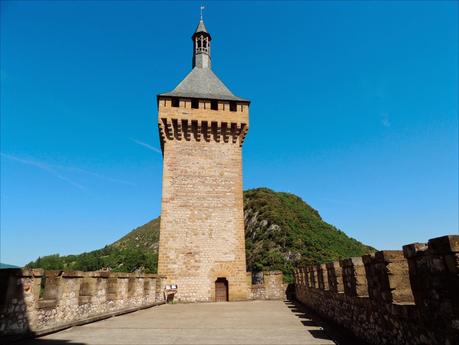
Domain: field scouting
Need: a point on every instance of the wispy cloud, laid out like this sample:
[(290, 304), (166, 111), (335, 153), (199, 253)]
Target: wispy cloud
[(57, 171), (385, 120), (43, 166), (94, 174), (141, 143)]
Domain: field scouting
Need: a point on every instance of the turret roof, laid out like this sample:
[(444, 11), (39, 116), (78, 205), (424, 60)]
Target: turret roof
[(201, 27), (203, 83)]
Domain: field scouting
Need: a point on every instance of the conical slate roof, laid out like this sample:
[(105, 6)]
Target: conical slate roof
[(203, 83), (201, 27)]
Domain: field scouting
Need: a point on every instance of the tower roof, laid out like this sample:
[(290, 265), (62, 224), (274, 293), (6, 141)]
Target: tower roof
[(201, 27), (203, 83)]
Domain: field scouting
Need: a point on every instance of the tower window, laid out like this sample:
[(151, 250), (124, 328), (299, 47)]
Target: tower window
[(233, 106), (175, 102), (214, 105), (195, 103)]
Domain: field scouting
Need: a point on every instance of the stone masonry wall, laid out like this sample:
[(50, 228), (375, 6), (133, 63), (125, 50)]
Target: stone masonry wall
[(272, 287), (202, 220), (408, 297), (36, 301)]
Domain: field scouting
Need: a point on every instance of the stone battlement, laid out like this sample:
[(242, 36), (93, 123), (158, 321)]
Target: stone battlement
[(37, 301), (390, 297), (221, 124)]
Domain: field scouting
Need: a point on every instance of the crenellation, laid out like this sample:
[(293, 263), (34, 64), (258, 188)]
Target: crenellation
[(354, 280), (388, 297), (312, 277), (335, 277), (392, 270), (434, 276), (324, 277), (392, 297), (202, 104), (50, 289), (304, 276), (87, 289), (70, 296)]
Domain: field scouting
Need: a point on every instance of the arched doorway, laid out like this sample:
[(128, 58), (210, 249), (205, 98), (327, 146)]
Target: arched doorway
[(221, 290)]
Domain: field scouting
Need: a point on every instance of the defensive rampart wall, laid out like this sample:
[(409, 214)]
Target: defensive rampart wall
[(34, 301), (391, 297), (271, 287)]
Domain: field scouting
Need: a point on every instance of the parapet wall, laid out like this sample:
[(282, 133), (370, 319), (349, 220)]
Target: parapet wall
[(271, 287), (36, 301), (391, 297)]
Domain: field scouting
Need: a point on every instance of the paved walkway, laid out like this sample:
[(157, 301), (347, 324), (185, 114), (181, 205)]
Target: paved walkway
[(255, 322)]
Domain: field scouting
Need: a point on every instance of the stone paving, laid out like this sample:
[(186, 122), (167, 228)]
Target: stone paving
[(248, 323)]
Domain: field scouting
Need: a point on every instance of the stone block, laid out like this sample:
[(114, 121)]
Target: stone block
[(354, 278), (307, 278), (312, 277), (445, 244), (321, 277), (335, 277), (73, 274), (411, 250), (388, 277)]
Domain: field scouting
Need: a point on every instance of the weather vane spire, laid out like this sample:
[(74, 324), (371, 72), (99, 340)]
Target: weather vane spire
[(202, 8)]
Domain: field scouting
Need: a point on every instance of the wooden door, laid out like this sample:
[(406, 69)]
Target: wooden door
[(221, 290)]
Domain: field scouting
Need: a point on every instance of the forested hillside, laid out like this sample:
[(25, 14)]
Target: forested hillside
[(282, 231)]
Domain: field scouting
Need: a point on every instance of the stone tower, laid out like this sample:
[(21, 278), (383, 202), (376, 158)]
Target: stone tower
[(202, 127)]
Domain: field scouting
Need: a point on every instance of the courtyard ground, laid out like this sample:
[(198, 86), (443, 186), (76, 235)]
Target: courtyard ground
[(248, 323)]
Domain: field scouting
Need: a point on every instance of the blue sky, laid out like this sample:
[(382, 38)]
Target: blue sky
[(354, 108)]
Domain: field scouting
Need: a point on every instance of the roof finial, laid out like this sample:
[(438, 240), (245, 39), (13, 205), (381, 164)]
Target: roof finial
[(202, 7)]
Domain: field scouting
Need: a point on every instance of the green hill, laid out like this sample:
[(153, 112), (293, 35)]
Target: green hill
[(281, 231)]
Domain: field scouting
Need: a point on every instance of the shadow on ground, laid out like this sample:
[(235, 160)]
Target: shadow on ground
[(326, 329), (41, 341)]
